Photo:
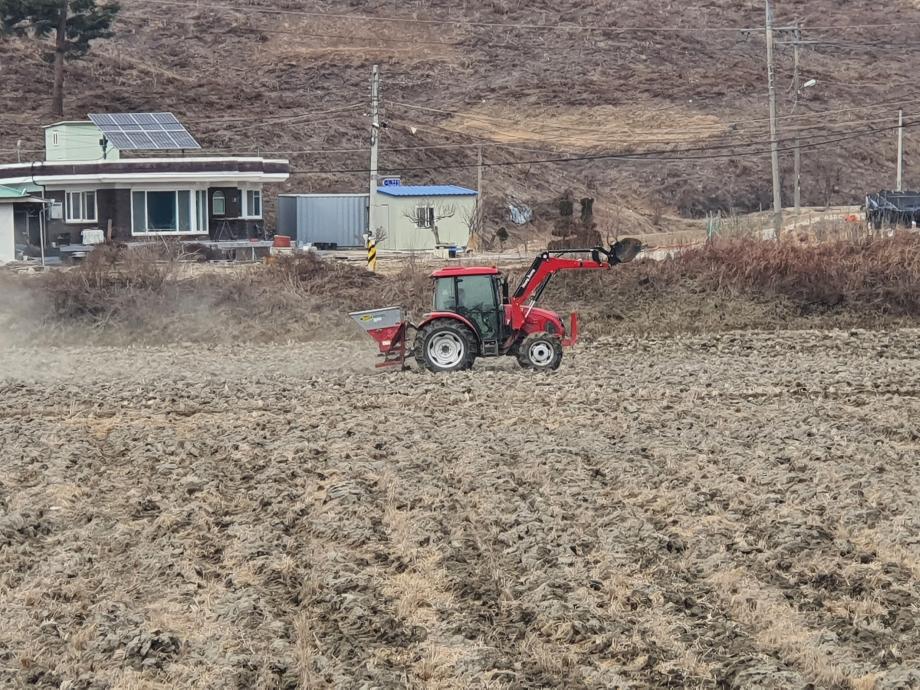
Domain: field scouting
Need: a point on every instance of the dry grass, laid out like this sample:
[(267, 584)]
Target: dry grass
[(585, 127), (152, 295), (880, 274), (745, 284)]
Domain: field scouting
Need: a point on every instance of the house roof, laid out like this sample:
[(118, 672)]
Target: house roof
[(144, 170), (12, 193), (426, 190), (69, 122), (16, 195)]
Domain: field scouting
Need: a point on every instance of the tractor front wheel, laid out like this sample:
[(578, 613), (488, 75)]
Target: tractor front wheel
[(541, 352), (445, 345)]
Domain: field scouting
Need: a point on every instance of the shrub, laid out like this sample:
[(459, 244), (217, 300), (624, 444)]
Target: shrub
[(879, 273)]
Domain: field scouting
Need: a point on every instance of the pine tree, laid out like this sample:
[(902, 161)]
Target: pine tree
[(73, 24), (12, 17)]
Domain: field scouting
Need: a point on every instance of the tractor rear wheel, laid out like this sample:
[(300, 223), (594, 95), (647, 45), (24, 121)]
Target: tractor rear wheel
[(541, 352), (445, 345)]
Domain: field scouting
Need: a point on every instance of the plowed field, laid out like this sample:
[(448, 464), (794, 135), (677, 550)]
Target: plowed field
[(736, 510)]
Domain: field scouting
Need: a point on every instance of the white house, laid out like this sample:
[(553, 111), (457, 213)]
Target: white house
[(419, 218), (87, 183)]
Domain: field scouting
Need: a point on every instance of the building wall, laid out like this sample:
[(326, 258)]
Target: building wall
[(395, 215), (115, 205), (111, 204), (7, 234), (339, 219), (76, 141), (232, 225), (233, 202)]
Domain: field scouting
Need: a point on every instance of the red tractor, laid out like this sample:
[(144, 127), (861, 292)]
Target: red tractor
[(474, 315)]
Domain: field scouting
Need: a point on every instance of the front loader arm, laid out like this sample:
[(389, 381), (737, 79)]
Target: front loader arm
[(545, 267)]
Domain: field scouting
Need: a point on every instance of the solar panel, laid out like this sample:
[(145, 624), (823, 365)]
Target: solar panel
[(149, 131)]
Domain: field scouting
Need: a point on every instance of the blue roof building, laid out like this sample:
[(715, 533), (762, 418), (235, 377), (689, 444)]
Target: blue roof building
[(426, 190), (423, 217)]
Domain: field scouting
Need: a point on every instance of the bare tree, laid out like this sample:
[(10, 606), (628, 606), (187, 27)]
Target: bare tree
[(428, 213), (475, 223)]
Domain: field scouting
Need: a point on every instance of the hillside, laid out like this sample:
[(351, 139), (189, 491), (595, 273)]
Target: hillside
[(562, 82)]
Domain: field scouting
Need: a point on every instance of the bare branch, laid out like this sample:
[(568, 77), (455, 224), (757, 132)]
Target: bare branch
[(428, 213)]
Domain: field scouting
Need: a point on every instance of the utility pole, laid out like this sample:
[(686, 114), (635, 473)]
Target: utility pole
[(774, 143), (375, 143), (479, 202), (900, 151), (797, 165)]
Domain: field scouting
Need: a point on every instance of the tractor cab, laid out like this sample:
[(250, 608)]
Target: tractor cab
[(478, 295)]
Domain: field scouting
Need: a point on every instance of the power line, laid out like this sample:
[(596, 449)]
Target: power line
[(600, 138), (597, 141), (543, 125), (810, 115), (232, 129), (654, 156), (277, 119), (345, 108)]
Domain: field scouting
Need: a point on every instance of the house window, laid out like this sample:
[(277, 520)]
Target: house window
[(253, 208), (81, 207), (219, 204), (424, 217), (201, 203), (164, 212)]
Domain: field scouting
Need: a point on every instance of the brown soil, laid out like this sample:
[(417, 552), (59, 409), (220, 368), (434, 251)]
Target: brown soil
[(709, 511)]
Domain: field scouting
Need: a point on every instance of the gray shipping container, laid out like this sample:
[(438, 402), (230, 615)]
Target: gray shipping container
[(339, 219)]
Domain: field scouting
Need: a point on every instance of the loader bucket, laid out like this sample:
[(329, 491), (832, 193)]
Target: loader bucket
[(387, 328), (626, 250)]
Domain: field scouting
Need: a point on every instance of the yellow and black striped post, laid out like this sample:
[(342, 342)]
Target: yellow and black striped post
[(371, 254)]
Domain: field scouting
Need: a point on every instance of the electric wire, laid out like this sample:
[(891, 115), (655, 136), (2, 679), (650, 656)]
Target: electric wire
[(802, 115), (665, 155)]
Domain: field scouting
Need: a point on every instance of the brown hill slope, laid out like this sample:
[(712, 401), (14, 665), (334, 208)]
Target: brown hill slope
[(245, 77)]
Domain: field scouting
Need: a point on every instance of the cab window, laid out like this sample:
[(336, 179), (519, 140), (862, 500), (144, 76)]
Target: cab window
[(444, 297), (476, 292), (477, 301)]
